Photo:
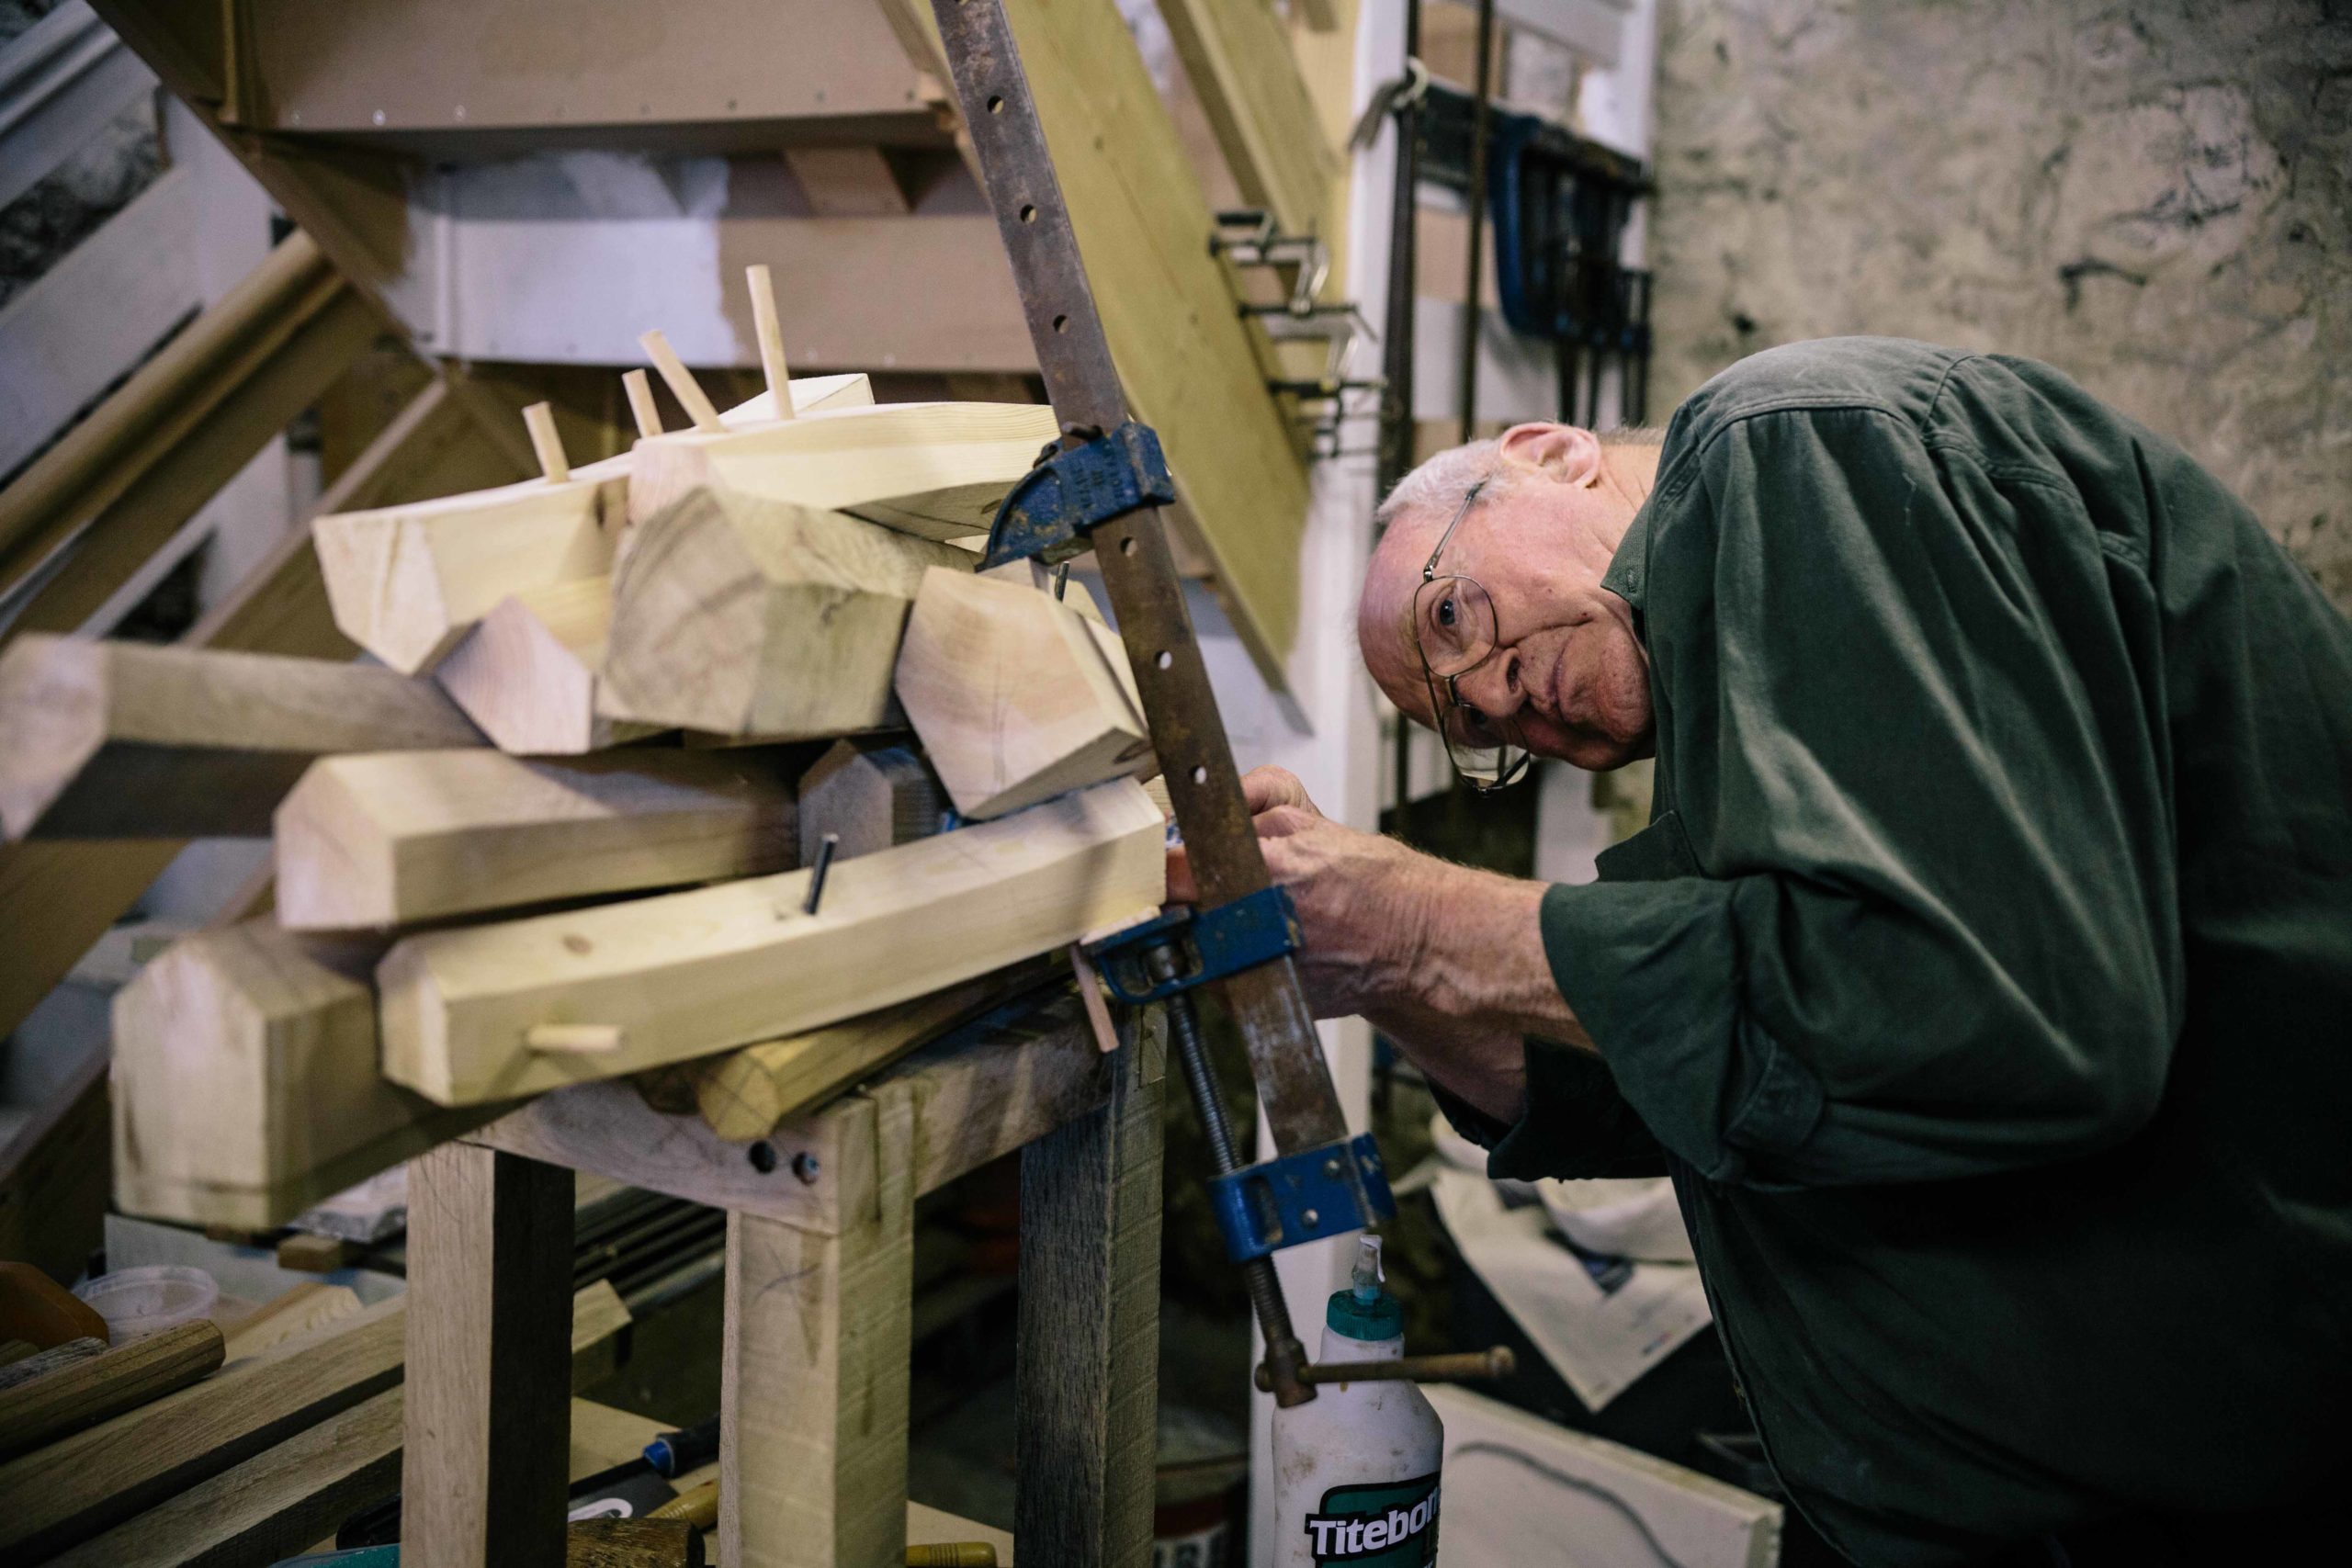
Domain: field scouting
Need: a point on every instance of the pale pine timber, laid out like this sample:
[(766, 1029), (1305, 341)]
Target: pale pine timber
[(112, 740), (527, 673), (400, 837), (1237, 56), (741, 616), (686, 974), (1188, 362), (936, 471), (246, 1086), (1017, 698), (406, 583)]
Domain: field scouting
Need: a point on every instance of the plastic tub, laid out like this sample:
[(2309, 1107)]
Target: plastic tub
[(138, 1302)]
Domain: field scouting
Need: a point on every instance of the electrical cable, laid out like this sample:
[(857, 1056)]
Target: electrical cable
[(1578, 1484)]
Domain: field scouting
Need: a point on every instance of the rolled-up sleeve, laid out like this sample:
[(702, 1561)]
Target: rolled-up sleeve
[(1577, 1123), (1925, 927)]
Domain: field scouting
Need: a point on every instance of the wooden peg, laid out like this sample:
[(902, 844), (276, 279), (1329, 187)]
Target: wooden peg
[(541, 418), (574, 1039), (682, 383), (641, 403), (1089, 991), (770, 336)]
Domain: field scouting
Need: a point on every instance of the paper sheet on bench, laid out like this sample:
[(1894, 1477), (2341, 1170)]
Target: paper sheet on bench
[(1599, 1336)]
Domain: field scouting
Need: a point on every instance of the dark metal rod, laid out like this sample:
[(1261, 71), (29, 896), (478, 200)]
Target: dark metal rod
[(1404, 233), (817, 875), (1473, 288), (1396, 346), (1458, 1366), (1285, 1357)]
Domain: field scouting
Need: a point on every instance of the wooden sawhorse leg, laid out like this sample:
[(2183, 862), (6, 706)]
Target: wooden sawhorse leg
[(1088, 1377), (813, 1381), (489, 1401)]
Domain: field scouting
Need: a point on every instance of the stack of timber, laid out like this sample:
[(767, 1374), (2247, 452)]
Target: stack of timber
[(154, 1452), (719, 746)]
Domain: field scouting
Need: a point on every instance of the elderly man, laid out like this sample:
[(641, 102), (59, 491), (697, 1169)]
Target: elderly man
[(1984, 978)]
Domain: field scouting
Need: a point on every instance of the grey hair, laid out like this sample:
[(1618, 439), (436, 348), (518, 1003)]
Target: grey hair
[(1441, 482), (1438, 486)]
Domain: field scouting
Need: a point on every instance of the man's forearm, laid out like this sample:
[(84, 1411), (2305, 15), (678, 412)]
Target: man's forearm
[(1476, 953), (1471, 983)]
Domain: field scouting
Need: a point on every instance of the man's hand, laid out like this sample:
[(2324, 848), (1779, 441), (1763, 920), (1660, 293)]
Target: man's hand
[(1360, 897), (1446, 961)]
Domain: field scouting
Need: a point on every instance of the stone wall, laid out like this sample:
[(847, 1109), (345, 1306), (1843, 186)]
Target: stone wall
[(2152, 197)]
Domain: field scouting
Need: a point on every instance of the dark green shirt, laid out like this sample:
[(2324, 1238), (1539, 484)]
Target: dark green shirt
[(1985, 977)]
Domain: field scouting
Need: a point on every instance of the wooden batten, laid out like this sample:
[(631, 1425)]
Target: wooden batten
[(742, 1094), (407, 581), (527, 673), (933, 469), (404, 837), (741, 616), (126, 741), (212, 1473), (1017, 698), (686, 974), (245, 1086)]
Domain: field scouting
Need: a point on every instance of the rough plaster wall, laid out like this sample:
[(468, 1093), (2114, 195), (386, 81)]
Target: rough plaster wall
[(2152, 197)]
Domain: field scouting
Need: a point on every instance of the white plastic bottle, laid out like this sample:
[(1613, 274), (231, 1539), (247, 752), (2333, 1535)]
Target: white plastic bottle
[(1356, 1467)]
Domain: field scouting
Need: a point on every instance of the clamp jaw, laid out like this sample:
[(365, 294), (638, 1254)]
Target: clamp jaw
[(1074, 490), (1293, 1198)]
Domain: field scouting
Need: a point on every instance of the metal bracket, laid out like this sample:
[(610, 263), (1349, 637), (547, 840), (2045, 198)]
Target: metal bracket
[(1299, 1198), (1074, 490), (1209, 944)]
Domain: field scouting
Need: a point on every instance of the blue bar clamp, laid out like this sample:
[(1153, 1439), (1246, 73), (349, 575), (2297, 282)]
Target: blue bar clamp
[(1292, 1198)]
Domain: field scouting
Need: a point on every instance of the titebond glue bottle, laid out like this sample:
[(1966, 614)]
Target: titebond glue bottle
[(1356, 1467)]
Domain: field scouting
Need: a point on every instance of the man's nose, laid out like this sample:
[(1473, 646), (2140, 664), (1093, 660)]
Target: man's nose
[(1493, 686)]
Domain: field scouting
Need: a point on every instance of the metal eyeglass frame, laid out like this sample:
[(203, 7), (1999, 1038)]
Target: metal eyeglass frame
[(1508, 771)]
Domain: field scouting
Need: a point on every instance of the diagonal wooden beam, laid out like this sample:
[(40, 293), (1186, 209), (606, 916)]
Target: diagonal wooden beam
[(1237, 55), (58, 899), (124, 479)]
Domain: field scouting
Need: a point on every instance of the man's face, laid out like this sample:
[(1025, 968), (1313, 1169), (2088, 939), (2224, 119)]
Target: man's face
[(1566, 671)]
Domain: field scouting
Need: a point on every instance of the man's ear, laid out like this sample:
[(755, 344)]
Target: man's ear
[(1561, 453)]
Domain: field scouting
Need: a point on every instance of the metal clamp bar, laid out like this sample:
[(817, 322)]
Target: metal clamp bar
[(1298, 1198)]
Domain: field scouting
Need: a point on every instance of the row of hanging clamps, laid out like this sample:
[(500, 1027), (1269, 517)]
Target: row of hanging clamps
[(1251, 238)]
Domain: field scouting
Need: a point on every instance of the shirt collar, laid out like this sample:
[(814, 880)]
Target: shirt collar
[(1628, 573)]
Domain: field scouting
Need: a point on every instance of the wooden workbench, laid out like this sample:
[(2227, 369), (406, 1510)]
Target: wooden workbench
[(819, 1289)]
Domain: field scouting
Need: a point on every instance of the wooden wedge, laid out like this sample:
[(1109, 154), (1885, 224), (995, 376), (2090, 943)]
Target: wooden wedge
[(527, 673), (1017, 698)]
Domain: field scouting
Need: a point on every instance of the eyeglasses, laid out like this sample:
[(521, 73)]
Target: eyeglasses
[(1454, 632)]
